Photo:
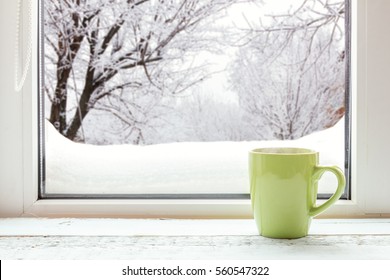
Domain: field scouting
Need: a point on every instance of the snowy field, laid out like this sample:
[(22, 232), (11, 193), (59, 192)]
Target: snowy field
[(208, 167)]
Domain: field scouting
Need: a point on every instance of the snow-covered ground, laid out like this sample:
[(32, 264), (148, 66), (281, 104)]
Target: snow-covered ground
[(208, 167)]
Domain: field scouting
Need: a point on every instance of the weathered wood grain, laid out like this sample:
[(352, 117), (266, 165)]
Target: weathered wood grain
[(195, 247), (116, 239)]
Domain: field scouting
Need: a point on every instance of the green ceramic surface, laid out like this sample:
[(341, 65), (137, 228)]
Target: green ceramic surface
[(283, 186)]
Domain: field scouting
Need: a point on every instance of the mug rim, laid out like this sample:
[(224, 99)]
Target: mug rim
[(283, 151)]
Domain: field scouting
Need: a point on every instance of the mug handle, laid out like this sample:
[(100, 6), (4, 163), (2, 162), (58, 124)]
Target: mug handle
[(318, 172)]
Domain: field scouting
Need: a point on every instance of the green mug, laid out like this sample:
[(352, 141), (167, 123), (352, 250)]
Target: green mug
[(283, 187)]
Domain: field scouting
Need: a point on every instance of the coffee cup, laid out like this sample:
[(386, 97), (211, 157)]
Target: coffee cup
[(283, 188)]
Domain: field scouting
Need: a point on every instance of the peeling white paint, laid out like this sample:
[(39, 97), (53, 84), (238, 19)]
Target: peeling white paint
[(187, 239)]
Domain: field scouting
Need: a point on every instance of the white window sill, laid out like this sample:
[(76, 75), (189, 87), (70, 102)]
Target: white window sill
[(30, 238)]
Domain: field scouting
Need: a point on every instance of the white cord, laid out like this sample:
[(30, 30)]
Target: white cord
[(19, 83)]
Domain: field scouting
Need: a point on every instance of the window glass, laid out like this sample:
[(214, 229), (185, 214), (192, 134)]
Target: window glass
[(165, 98)]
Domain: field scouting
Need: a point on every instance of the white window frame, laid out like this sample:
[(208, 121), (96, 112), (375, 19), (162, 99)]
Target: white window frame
[(370, 176)]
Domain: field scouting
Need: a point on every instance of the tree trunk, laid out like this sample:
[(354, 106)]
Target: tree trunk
[(58, 105), (84, 105)]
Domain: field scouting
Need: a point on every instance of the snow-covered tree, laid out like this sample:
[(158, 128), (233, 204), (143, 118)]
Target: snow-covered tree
[(112, 55), (290, 75)]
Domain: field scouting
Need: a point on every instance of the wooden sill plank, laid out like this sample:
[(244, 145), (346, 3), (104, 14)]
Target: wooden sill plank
[(153, 227), (116, 239), (330, 247)]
